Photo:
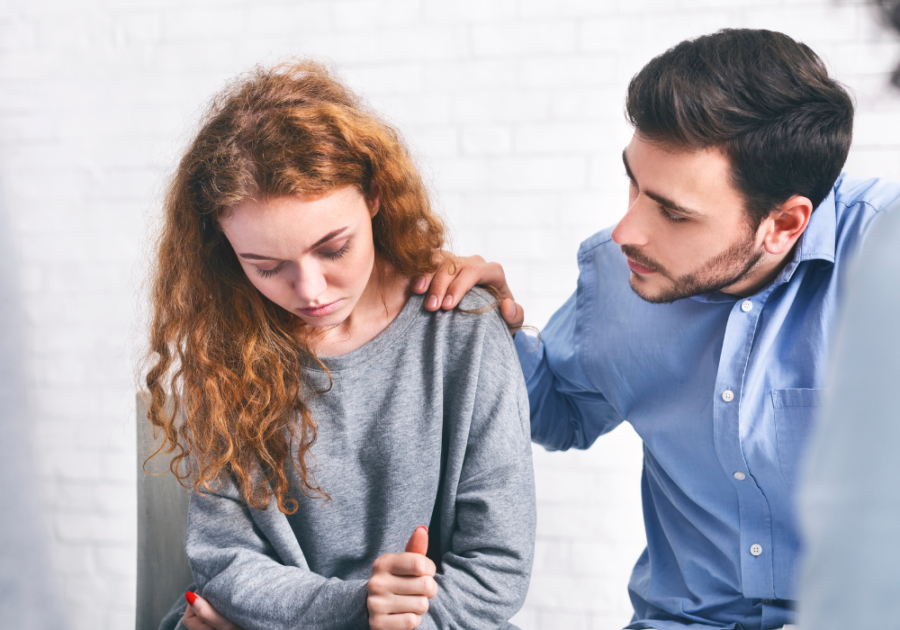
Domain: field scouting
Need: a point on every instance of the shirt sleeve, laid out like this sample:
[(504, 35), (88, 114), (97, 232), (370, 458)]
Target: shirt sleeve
[(486, 568), (249, 566), (567, 410)]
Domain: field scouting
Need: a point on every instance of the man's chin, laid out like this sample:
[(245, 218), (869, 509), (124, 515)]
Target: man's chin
[(646, 290)]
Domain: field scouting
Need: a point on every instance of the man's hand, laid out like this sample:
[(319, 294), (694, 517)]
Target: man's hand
[(401, 585), (456, 276), (200, 615)]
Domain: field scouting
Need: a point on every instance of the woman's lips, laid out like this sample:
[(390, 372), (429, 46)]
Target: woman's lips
[(639, 269), (319, 311)]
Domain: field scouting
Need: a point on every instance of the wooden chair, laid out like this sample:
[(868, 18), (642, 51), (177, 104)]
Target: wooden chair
[(163, 572)]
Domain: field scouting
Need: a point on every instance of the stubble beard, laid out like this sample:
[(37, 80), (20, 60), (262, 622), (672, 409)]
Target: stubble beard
[(722, 270)]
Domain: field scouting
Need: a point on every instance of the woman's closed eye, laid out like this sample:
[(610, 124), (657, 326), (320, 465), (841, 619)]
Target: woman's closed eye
[(268, 273), (335, 254)]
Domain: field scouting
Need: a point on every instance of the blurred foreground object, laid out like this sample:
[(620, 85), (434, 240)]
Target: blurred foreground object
[(29, 597), (850, 506)]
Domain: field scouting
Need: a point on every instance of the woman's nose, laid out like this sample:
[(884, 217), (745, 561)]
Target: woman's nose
[(309, 283)]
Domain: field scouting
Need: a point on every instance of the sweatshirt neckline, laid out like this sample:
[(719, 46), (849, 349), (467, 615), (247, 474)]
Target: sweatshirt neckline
[(380, 344)]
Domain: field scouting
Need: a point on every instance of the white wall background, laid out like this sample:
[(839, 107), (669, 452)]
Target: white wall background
[(514, 108)]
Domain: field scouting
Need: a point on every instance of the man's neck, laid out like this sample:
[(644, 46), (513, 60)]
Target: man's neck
[(761, 275)]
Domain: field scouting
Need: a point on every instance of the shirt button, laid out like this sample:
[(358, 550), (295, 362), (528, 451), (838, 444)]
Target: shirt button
[(755, 550), (740, 476), (728, 395), (747, 306)]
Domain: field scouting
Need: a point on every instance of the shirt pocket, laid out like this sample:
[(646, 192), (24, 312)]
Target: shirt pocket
[(795, 411)]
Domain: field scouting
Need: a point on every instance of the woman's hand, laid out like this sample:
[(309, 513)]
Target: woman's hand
[(200, 615), (456, 276), (401, 585)]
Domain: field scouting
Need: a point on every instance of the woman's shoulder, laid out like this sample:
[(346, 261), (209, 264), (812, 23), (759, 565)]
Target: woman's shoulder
[(478, 312), (475, 328)]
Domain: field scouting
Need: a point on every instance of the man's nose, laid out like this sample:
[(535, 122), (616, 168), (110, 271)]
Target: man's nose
[(632, 229)]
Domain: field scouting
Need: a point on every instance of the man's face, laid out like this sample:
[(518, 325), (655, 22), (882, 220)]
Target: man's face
[(686, 231)]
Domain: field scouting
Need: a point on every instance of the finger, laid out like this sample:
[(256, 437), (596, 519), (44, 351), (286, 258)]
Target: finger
[(394, 604), (406, 621), (418, 542), (191, 621), (389, 585), (439, 283), (467, 278), (411, 565), (422, 283), (210, 616), (513, 314)]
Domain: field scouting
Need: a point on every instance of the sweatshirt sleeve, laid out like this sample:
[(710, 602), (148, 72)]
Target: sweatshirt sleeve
[(248, 565), (489, 548), (567, 411)]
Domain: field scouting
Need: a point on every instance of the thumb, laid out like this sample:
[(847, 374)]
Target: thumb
[(418, 542), (512, 313)]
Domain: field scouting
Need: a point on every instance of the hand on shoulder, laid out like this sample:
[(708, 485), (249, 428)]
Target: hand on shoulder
[(457, 275)]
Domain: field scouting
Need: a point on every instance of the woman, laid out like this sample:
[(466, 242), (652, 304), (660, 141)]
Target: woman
[(326, 413)]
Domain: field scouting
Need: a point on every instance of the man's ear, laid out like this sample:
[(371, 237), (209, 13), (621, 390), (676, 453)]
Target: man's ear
[(786, 223)]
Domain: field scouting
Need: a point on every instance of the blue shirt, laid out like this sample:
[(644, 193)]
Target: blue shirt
[(722, 391)]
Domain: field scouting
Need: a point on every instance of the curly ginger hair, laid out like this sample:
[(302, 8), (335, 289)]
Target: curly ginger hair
[(226, 379)]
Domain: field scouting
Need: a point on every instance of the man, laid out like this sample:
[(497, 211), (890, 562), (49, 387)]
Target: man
[(703, 317)]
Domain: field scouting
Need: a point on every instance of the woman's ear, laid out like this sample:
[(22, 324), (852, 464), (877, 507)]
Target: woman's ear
[(787, 223), (374, 200)]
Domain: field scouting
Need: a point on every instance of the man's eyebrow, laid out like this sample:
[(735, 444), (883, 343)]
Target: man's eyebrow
[(661, 200), (321, 241)]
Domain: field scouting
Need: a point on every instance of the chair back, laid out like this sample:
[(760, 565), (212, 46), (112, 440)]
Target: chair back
[(163, 572)]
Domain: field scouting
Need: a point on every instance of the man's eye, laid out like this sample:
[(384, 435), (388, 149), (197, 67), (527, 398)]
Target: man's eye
[(674, 218)]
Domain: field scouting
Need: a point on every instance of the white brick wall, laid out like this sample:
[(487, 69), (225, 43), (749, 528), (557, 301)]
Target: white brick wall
[(514, 108)]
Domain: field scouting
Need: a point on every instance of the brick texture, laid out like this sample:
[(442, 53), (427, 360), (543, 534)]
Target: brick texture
[(514, 110)]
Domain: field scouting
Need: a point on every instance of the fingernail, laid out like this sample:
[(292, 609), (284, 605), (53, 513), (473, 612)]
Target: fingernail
[(432, 302), (448, 301), (423, 527), (190, 597), (419, 285)]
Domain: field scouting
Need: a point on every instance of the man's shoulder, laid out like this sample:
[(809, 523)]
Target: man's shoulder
[(599, 242), (875, 193)]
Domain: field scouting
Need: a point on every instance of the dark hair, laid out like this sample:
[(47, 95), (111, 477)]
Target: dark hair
[(763, 99), (890, 14)]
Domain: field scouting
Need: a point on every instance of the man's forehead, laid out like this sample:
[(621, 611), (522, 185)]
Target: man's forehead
[(697, 180)]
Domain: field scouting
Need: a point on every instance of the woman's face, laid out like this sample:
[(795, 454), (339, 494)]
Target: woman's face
[(312, 257)]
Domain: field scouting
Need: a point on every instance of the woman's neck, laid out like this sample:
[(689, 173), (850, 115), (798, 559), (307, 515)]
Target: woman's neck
[(384, 297)]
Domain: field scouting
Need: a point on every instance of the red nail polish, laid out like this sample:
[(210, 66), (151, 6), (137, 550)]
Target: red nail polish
[(190, 597)]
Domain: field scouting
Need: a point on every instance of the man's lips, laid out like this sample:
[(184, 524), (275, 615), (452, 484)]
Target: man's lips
[(639, 269), (319, 311)]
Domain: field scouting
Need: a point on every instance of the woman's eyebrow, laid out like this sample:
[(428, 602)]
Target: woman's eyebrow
[(321, 241), (329, 236)]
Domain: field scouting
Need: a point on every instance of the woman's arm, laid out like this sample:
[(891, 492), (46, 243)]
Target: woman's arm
[(397, 593), (249, 567), (489, 544)]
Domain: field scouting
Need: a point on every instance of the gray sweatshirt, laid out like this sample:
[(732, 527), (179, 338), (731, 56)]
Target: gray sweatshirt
[(378, 455)]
